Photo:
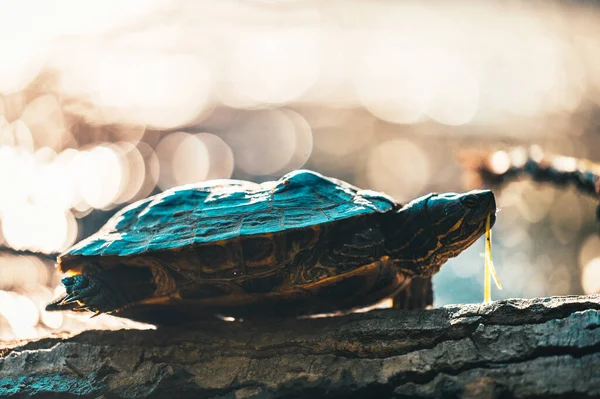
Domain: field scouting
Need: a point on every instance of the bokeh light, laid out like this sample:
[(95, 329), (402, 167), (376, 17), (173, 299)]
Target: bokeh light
[(500, 162), (391, 88), (590, 277), (179, 92), (44, 117), (263, 142), (219, 154), (133, 171), (26, 60), (39, 228), (341, 132), (399, 168), (183, 159), (97, 174), (293, 66)]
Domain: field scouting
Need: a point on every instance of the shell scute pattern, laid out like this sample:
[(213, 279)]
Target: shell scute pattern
[(225, 209)]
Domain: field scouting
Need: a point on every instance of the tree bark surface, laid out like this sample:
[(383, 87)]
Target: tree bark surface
[(545, 347)]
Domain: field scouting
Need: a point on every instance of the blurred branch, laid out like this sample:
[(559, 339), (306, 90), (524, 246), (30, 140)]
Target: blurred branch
[(546, 347)]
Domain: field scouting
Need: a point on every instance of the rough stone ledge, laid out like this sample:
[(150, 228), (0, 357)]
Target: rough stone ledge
[(545, 347)]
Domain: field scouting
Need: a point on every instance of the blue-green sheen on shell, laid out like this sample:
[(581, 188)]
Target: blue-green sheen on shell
[(224, 209)]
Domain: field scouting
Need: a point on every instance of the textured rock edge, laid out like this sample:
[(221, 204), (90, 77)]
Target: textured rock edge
[(519, 348)]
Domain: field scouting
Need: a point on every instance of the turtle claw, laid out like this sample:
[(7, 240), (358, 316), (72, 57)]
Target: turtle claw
[(79, 292), (97, 313), (69, 298)]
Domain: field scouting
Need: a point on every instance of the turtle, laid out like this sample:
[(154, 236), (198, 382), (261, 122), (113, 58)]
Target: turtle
[(304, 244)]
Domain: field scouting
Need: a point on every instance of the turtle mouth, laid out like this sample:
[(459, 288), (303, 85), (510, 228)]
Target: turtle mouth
[(483, 222), (492, 218), (477, 223)]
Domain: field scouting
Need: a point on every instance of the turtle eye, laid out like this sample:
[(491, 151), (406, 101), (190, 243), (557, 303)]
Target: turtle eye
[(470, 201)]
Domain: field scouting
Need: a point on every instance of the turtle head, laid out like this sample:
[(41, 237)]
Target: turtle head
[(433, 228), (458, 220)]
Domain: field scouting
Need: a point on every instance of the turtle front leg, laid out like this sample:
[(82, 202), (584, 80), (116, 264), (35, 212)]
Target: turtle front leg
[(417, 295), (107, 291)]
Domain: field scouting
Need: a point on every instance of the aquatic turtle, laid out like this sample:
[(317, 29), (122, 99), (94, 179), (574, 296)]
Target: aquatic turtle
[(303, 244)]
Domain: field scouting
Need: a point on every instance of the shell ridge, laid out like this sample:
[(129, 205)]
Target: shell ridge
[(202, 213)]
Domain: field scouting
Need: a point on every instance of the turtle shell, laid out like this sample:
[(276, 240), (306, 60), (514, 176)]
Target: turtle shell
[(301, 244), (220, 210)]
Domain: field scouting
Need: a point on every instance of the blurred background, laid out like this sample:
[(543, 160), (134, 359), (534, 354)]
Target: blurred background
[(104, 103)]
